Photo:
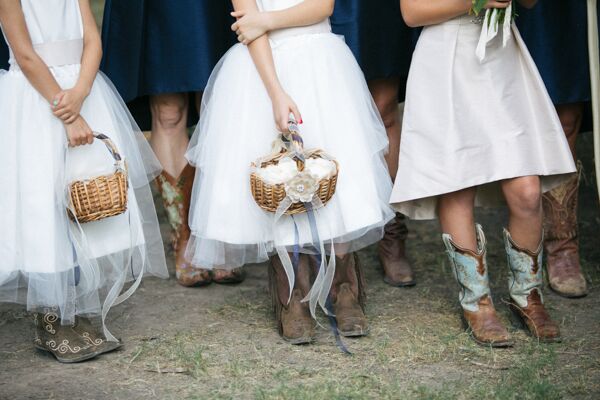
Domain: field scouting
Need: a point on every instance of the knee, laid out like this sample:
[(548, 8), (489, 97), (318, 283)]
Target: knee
[(570, 118), (385, 97), (169, 113), (526, 198)]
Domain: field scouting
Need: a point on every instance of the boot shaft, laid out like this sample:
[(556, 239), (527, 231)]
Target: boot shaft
[(176, 195), (525, 271), (560, 210), (470, 270)]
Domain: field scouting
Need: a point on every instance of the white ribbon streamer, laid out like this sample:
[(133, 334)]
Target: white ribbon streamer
[(490, 30), (317, 296), (90, 270)]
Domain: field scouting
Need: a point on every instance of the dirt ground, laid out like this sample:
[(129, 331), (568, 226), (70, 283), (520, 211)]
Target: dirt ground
[(220, 341)]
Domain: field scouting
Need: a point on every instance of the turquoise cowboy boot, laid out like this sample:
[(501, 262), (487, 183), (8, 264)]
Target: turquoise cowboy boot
[(525, 287), (479, 314)]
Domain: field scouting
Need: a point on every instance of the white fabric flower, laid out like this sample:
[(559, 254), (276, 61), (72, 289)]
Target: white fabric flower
[(302, 187)]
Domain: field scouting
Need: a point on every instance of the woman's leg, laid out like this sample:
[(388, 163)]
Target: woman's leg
[(170, 141), (466, 248), (169, 138), (385, 95), (456, 217), (523, 243), (560, 219), (392, 251), (524, 198)]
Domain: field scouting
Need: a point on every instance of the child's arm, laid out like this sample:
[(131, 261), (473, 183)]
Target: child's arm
[(252, 24), (260, 51), (34, 68), (431, 12), (69, 102)]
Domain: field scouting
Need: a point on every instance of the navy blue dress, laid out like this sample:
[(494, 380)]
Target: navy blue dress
[(3, 54), (158, 46), (377, 35), (555, 32)]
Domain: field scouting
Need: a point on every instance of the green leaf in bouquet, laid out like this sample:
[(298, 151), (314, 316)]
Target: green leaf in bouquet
[(478, 6)]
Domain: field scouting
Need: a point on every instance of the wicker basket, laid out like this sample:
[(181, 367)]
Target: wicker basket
[(103, 196), (269, 196)]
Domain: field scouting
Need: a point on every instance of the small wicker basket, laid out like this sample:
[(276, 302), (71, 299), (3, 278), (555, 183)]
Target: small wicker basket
[(269, 196), (103, 196)]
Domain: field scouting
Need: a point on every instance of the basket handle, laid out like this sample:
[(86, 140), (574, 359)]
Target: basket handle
[(294, 142), (112, 148)]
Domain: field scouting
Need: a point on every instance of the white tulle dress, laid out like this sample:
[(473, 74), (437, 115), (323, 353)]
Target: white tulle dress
[(236, 127), (48, 261)]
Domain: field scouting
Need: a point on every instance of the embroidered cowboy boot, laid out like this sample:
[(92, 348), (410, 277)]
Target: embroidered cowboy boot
[(294, 322), (63, 342), (392, 254), (525, 287), (471, 272), (348, 297), (176, 194), (94, 335), (561, 242)]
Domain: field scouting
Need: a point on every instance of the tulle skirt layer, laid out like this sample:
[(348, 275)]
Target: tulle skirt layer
[(47, 260), (236, 128)]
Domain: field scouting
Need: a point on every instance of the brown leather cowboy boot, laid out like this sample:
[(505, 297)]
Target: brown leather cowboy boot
[(176, 194), (65, 343), (94, 335), (392, 254), (479, 314), (525, 286), (561, 243), (348, 297), (294, 322)]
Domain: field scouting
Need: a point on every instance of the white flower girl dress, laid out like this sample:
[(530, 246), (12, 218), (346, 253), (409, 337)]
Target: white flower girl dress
[(237, 127), (48, 262)]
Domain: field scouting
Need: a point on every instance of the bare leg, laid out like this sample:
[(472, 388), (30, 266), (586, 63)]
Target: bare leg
[(456, 217), (560, 219), (571, 116), (385, 94), (468, 260), (392, 248), (198, 99), (524, 199), (169, 130)]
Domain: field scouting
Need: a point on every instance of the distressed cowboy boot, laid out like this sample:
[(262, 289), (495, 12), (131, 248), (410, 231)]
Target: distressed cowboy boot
[(348, 297), (525, 287), (294, 322), (561, 242), (176, 193), (65, 343), (471, 272), (392, 254)]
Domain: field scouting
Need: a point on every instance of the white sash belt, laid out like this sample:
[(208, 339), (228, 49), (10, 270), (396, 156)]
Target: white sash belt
[(56, 54), (321, 27)]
